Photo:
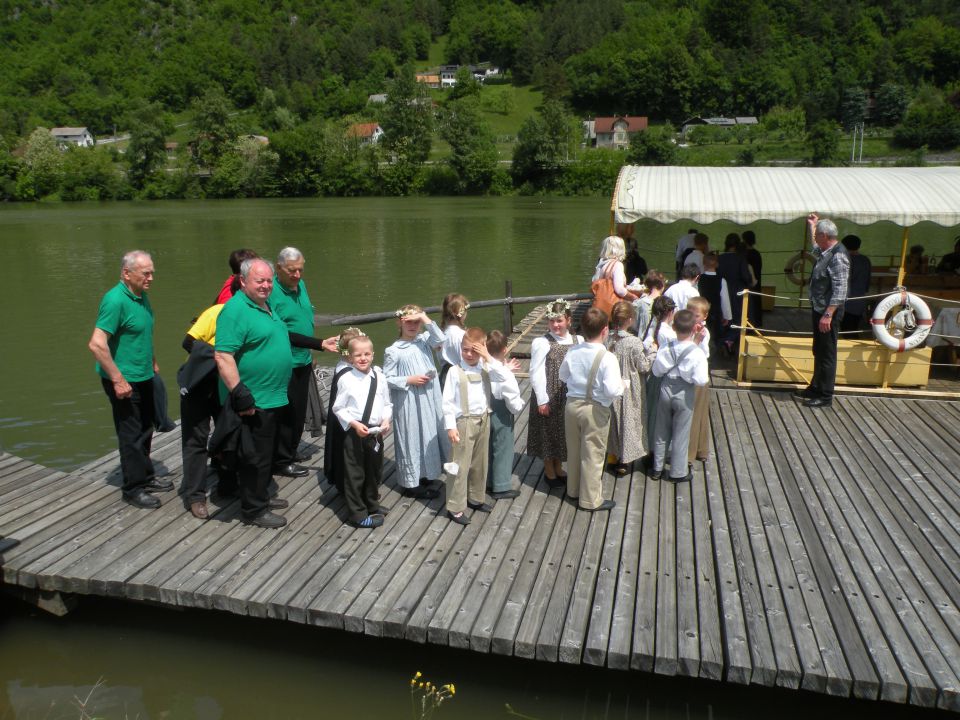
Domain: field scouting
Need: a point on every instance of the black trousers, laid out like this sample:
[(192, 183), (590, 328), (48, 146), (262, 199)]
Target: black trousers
[(197, 408), (255, 473), (825, 356), (363, 470), (294, 415), (133, 421)]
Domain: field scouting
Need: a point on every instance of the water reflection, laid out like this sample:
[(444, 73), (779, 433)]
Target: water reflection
[(155, 663)]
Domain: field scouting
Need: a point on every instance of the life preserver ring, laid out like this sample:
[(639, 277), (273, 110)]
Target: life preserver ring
[(795, 264), (915, 317)]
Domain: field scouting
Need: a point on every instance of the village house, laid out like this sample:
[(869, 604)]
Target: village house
[(431, 80), (722, 122), (78, 136), (614, 132), (366, 133)]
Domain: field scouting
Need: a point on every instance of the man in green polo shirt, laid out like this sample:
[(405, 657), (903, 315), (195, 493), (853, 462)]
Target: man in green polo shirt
[(253, 357), (122, 343), (291, 302)]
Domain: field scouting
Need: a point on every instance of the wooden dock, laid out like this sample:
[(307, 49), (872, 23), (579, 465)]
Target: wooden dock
[(816, 549)]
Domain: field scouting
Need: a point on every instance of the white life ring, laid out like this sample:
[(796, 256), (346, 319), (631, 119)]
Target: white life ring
[(915, 316), (795, 264)]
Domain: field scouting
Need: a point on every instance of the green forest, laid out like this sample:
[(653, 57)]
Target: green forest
[(186, 90)]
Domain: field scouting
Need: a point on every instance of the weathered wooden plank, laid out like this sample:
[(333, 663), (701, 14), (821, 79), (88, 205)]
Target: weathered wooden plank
[(883, 634), (482, 582), (564, 612), (538, 600), (688, 622), (837, 678), (763, 657), (517, 556), (602, 584), (643, 652), (706, 576), (666, 660), (736, 646), (776, 521), (513, 612), (264, 558)]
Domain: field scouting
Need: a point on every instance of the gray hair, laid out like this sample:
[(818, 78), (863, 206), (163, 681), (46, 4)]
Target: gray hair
[(289, 254), (131, 259), (248, 264), (827, 227), (612, 248)]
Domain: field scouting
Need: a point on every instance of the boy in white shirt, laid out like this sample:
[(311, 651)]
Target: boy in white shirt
[(686, 288), (466, 417), (682, 365), (364, 411), (505, 405), (592, 376)]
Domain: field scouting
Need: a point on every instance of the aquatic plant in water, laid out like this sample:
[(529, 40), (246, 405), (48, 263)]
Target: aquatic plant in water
[(426, 698)]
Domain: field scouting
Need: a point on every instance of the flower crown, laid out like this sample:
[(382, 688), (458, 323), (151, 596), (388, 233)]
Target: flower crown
[(405, 312), (345, 349), (553, 313)]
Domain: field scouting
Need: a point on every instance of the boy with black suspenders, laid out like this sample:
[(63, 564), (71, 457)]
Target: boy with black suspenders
[(592, 376), (364, 411), (682, 364)]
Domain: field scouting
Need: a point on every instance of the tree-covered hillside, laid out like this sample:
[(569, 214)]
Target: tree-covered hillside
[(216, 72)]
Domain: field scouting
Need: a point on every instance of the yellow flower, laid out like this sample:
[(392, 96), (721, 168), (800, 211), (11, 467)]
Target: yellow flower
[(419, 674)]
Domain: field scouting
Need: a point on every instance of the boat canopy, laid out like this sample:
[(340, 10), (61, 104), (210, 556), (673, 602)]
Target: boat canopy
[(744, 195)]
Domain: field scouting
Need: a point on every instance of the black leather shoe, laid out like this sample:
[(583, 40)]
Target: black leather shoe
[(605, 505), (505, 494), (480, 507), (268, 520), (291, 471), (421, 491), (686, 478), (276, 503), (818, 402), (142, 499), (804, 394), (158, 485), (459, 518)]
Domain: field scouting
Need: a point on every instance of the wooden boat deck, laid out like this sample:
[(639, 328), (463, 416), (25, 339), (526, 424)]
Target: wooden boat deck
[(815, 549)]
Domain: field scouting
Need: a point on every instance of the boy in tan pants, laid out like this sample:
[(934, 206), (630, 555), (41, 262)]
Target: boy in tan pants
[(592, 376), (466, 418)]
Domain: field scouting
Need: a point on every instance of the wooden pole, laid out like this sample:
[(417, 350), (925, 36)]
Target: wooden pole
[(741, 348), (508, 308), (888, 356)]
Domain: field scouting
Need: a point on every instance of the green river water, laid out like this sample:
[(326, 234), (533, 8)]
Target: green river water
[(362, 255)]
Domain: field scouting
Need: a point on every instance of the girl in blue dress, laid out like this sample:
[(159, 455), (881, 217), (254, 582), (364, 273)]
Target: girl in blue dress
[(421, 445)]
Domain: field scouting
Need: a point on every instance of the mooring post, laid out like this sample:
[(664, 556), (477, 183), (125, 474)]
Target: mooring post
[(508, 308)]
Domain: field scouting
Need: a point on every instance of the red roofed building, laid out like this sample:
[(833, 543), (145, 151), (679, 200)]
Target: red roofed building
[(615, 132), (366, 132)]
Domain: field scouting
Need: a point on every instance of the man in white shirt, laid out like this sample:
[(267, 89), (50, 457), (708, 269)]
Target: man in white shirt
[(593, 380)]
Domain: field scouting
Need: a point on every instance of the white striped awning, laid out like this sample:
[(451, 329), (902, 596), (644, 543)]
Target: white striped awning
[(744, 195)]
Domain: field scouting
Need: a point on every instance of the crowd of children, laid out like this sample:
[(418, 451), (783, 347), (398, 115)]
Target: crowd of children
[(634, 388)]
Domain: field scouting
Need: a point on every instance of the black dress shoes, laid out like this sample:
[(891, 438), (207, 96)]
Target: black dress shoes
[(804, 394), (818, 402), (276, 503), (158, 485), (684, 478), (602, 507), (421, 491), (480, 507), (505, 494), (291, 471), (268, 520), (142, 499)]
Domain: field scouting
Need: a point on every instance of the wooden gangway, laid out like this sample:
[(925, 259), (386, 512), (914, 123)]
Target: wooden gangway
[(816, 549)]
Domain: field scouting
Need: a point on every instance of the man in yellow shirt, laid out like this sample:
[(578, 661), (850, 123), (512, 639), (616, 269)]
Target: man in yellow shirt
[(199, 402)]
